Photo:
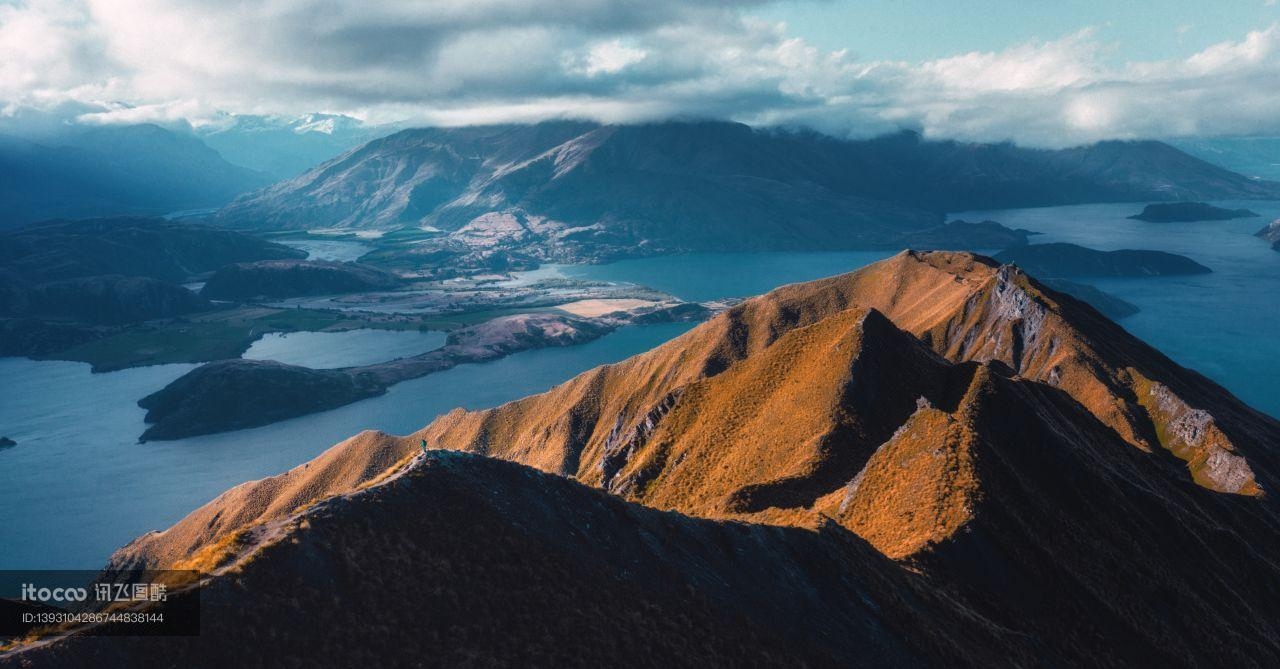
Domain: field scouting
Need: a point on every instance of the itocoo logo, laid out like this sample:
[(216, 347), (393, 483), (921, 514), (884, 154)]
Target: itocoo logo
[(30, 593)]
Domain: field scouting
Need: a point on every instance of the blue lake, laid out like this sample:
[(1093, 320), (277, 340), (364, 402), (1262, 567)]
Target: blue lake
[(707, 276), (78, 485), (329, 249), (351, 348)]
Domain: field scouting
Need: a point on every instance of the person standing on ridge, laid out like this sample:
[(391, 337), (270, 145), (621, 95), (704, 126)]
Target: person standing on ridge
[(424, 446)]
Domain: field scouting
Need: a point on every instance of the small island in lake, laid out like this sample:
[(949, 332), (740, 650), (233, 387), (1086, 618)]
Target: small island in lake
[(1067, 260), (1188, 212)]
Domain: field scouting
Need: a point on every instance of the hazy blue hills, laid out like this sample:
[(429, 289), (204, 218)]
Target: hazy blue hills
[(572, 189), (286, 146), (110, 170), (109, 271), (130, 246), (107, 299), (1251, 156)]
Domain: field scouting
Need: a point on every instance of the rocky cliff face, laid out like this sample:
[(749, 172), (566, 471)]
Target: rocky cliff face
[(1271, 233), (1020, 479)]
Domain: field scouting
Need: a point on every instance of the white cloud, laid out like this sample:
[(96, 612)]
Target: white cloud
[(1043, 66), (608, 57), (477, 61)]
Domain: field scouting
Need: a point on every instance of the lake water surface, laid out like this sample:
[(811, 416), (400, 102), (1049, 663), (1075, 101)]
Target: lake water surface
[(350, 348), (708, 276), (78, 485), (329, 249)]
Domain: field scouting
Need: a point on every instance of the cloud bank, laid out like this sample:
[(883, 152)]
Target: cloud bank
[(483, 61)]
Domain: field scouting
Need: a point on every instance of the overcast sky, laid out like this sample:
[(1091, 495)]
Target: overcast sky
[(1032, 71)]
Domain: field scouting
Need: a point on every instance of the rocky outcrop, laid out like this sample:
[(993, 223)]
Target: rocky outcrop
[(1193, 435), (277, 279), (1070, 260), (1271, 233), (1187, 212)]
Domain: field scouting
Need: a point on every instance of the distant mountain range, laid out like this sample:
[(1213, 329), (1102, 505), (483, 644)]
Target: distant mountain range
[(86, 171), (932, 461), (1257, 157), (285, 146), (565, 190)]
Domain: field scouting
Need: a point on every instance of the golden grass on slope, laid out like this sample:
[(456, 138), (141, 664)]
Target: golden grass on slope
[(772, 405), (918, 488)]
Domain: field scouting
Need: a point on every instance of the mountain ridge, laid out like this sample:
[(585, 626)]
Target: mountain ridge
[(1068, 493), (1166, 413)]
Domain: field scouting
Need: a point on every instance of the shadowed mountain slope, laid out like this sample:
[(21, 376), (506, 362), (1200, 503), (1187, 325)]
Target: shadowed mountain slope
[(114, 170), (1068, 494), (129, 246), (68, 275), (465, 560)]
